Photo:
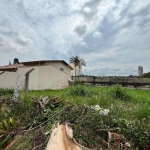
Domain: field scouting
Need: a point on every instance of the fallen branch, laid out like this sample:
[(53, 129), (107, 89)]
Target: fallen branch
[(108, 129), (81, 115), (42, 123), (38, 146)]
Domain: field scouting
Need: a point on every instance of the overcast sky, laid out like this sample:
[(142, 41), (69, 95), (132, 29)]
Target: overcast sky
[(112, 36)]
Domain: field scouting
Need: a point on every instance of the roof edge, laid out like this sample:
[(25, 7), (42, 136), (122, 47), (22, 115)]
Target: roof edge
[(38, 61)]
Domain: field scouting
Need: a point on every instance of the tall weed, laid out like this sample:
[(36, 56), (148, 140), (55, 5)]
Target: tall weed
[(80, 90), (119, 92), (4, 91)]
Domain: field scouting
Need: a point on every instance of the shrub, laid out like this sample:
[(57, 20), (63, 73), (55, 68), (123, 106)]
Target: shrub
[(143, 112), (146, 75), (8, 129), (117, 91), (79, 82), (80, 90), (4, 91)]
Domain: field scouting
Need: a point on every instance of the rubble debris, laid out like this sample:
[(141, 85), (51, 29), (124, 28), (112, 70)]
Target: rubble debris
[(127, 144), (103, 112), (113, 137), (96, 107), (114, 140)]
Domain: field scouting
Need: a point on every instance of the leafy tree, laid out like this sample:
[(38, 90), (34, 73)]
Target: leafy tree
[(77, 61), (146, 75), (16, 61)]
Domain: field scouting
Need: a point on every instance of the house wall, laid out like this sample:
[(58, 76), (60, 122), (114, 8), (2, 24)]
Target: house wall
[(33, 76), (8, 80), (42, 77), (47, 77), (59, 65), (51, 78)]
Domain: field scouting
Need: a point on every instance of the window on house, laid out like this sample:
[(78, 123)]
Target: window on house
[(62, 69)]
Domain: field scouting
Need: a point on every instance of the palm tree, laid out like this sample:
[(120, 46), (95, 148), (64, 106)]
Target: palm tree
[(77, 61)]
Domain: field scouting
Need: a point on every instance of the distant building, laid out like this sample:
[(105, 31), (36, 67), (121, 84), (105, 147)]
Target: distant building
[(140, 70), (77, 69)]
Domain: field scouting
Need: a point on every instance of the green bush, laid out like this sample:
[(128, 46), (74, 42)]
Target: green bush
[(4, 91), (143, 112), (119, 92), (146, 75), (136, 131), (7, 131), (80, 90), (79, 82)]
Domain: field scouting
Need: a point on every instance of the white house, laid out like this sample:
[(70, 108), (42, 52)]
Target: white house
[(36, 75)]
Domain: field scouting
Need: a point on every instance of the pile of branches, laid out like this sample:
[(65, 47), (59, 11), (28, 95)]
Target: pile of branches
[(7, 101), (94, 130), (91, 129), (45, 103)]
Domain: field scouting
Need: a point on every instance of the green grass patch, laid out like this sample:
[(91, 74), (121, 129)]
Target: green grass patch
[(6, 93), (81, 90), (129, 111), (118, 92)]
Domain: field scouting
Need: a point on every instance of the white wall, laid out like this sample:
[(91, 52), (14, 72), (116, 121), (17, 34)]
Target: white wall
[(8, 80), (42, 77), (51, 78), (59, 65)]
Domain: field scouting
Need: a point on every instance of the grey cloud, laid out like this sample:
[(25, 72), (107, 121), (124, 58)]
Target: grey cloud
[(143, 15), (142, 12), (93, 3), (125, 12), (97, 45), (7, 47), (13, 39), (103, 71), (23, 41), (54, 55), (117, 1), (22, 4), (32, 18), (108, 27), (80, 29), (130, 71), (110, 70), (6, 32), (128, 45), (89, 16), (92, 6), (145, 21), (48, 28), (128, 24)]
